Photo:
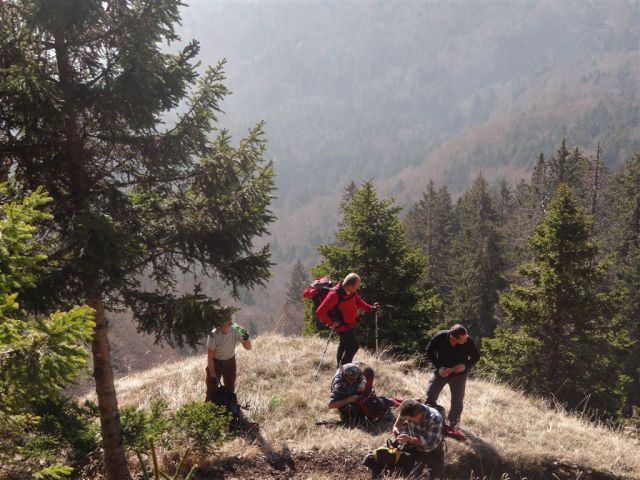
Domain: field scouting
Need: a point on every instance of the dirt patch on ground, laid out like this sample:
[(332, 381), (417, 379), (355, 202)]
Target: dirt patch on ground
[(301, 465), (305, 465), (316, 465)]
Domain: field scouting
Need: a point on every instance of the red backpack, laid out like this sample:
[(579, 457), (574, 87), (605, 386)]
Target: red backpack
[(318, 290)]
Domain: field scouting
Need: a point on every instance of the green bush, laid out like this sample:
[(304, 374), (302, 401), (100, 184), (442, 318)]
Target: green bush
[(138, 425), (64, 428), (134, 427), (201, 426)]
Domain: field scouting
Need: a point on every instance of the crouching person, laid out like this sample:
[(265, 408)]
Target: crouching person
[(352, 383), (418, 430), (221, 356)]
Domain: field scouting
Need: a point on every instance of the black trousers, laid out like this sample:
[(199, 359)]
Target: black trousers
[(347, 347), (433, 461)]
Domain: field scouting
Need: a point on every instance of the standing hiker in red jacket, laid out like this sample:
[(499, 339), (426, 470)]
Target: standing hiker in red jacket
[(339, 310)]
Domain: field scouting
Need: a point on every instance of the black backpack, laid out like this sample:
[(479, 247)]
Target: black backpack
[(227, 399)]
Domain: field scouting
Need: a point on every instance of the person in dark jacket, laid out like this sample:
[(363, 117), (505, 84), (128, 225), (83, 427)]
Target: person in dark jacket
[(339, 310), (453, 353)]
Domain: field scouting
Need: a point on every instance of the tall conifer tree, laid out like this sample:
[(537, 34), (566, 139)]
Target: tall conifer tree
[(431, 225), (372, 244), (87, 88), (477, 262), (563, 337), (629, 266)]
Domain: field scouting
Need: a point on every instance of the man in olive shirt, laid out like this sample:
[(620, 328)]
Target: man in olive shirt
[(453, 353), (221, 355)]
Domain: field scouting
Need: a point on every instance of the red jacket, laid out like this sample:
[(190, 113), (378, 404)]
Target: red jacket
[(348, 309)]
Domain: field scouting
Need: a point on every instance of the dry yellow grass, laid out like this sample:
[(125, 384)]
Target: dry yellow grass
[(274, 378)]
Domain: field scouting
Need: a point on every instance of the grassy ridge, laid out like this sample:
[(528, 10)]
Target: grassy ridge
[(505, 428)]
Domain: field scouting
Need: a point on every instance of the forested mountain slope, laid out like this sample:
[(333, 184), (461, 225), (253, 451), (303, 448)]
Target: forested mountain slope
[(400, 92)]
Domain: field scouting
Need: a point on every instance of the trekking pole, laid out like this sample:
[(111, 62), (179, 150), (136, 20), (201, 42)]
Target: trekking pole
[(320, 364)]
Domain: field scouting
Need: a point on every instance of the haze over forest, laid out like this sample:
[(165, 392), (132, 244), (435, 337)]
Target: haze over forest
[(404, 92), (476, 162)]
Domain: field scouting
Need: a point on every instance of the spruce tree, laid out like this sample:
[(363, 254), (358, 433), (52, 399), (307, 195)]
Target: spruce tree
[(477, 262), (372, 243), (297, 283), (294, 303), (430, 224), (562, 337), (122, 134), (39, 355), (628, 264), (572, 168)]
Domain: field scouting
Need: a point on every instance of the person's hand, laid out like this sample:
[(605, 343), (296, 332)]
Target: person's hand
[(376, 307), (444, 371), (396, 431), (354, 398), (461, 367), (215, 380), (335, 325), (405, 438)]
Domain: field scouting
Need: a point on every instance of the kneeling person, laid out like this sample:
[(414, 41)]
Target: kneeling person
[(221, 355), (351, 383), (419, 427)]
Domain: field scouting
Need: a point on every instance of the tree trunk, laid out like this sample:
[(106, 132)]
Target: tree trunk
[(115, 460), (116, 467)]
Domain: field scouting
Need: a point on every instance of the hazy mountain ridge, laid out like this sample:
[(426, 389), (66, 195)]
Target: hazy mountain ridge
[(405, 91), (401, 92), (359, 90)]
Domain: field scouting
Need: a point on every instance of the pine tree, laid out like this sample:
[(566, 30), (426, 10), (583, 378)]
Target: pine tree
[(372, 244), (88, 91), (540, 185), (294, 304), (430, 224), (39, 355), (503, 200), (570, 167), (477, 261), (297, 283), (628, 181), (563, 338)]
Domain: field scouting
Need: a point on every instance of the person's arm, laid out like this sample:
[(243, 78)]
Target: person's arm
[(362, 305), (212, 369), (330, 301), (343, 402), (396, 426), (474, 354), (432, 350)]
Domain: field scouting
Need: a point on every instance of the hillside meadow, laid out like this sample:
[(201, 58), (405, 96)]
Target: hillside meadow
[(509, 435)]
